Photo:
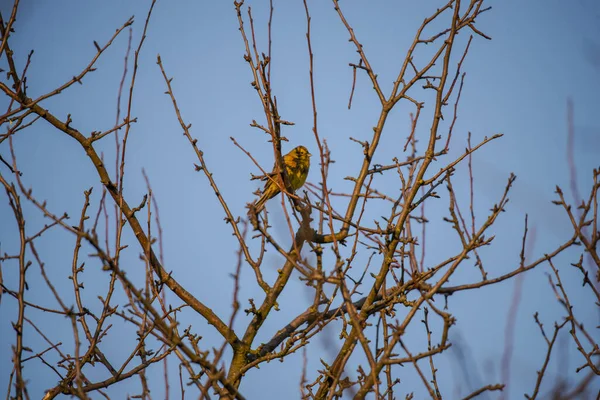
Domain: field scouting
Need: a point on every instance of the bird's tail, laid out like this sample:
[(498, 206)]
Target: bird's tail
[(260, 203), (271, 189)]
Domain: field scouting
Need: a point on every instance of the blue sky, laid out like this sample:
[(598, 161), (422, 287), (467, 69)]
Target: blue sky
[(542, 54)]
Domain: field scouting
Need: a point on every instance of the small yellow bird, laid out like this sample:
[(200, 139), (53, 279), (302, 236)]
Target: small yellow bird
[(297, 163)]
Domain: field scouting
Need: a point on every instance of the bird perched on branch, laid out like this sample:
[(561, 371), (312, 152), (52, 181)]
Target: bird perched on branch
[(297, 163)]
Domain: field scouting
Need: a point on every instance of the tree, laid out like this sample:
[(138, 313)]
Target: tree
[(382, 246)]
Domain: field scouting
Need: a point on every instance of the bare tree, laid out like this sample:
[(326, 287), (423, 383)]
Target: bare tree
[(361, 253)]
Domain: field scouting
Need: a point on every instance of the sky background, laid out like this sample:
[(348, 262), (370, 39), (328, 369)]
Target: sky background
[(543, 53)]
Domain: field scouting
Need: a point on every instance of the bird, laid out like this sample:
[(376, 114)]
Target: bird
[(297, 163)]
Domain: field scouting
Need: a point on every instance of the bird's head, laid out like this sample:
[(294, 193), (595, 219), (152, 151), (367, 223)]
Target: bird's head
[(301, 152)]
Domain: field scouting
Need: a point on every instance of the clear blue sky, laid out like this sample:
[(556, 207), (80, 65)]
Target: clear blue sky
[(542, 54)]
